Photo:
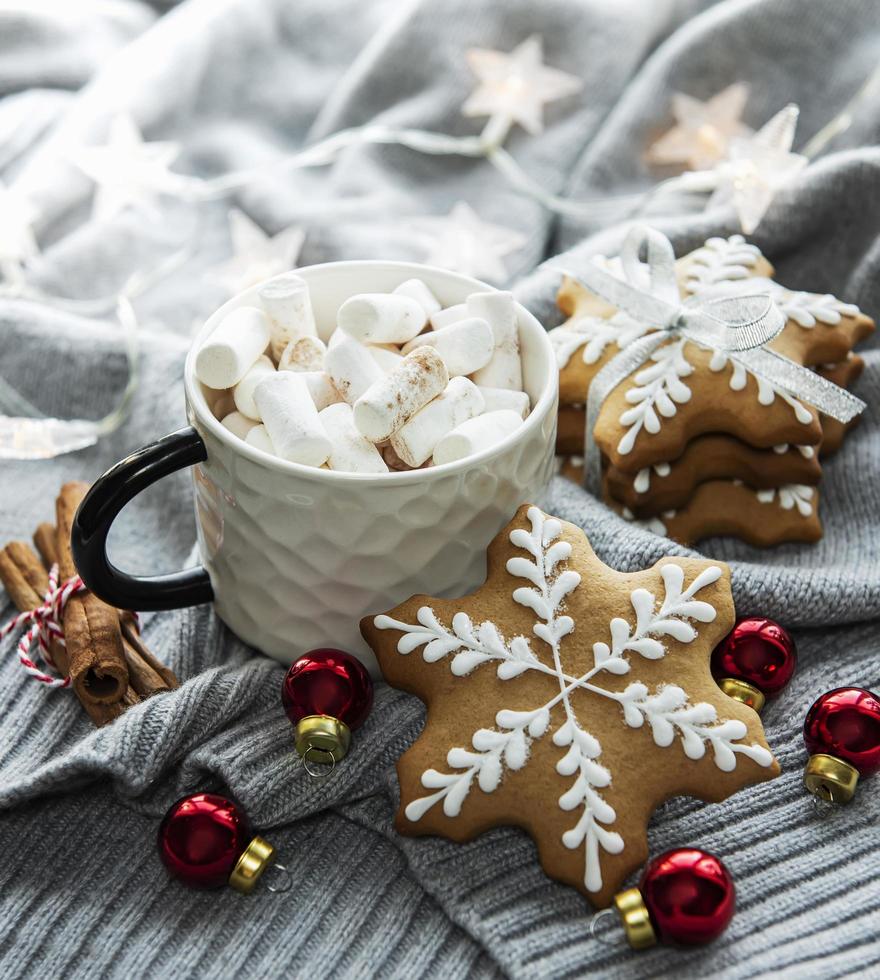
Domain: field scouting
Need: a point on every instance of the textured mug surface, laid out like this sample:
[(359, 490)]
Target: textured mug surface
[(298, 555)]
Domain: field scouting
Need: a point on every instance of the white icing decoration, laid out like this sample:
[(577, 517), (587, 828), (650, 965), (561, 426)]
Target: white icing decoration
[(767, 392), (642, 481), (789, 496), (806, 451), (594, 334), (805, 309), (506, 746), (808, 309), (721, 260), (658, 389)]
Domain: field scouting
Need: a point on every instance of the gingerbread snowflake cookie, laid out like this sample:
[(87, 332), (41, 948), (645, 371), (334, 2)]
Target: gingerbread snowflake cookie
[(567, 699)]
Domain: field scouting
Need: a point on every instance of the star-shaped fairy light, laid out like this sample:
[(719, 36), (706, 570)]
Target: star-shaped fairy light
[(568, 699), (256, 255), (756, 168), (514, 87), (129, 173), (703, 130), (463, 242), (18, 244)]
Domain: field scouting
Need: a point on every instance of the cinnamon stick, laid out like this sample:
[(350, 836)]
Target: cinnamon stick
[(26, 582), (147, 673), (44, 540), (96, 656), (132, 637)]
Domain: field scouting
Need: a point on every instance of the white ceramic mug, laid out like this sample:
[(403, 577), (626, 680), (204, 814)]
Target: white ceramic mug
[(294, 556)]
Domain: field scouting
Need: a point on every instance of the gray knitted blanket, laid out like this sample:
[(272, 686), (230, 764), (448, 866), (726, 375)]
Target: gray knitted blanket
[(82, 893)]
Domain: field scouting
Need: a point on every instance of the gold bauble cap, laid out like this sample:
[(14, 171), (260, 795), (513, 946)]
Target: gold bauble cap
[(636, 920), (743, 691), (831, 779), (322, 738), (253, 862)]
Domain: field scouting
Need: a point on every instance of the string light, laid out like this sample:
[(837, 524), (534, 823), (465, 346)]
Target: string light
[(702, 132), (256, 255), (129, 173), (755, 170), (513, 88), (463, 242)]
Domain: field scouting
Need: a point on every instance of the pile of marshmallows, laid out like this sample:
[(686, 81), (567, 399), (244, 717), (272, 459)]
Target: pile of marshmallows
[(401, 384)]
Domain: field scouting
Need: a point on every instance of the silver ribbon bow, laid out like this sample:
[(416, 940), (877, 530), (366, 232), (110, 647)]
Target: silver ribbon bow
[(737, 326)]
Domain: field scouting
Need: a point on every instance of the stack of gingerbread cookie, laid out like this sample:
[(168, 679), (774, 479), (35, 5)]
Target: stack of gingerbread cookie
[(692, 443)]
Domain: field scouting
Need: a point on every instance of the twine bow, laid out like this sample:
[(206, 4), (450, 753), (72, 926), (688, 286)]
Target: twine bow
[(738, 326), (45, 627)]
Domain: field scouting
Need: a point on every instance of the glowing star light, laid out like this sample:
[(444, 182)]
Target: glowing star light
[(256, 255), (756, 168), (703, 130), (17, 242), (128, 172), (514, 87), (463, 242)]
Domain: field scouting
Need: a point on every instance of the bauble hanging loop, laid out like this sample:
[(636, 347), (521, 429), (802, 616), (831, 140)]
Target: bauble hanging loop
[(842, 735), (755, 661), (206, 842), (326, 694), (685, 897)]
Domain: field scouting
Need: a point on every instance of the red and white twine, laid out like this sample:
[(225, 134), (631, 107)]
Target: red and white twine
[(45, 626)]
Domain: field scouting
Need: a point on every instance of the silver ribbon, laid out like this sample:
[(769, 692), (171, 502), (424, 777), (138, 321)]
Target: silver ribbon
[(737, 326)]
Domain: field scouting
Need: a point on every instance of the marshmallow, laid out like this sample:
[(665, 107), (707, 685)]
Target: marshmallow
[(386, 358), (352, 368), (497, 398), (231, 350), (304, 354), (465, 346), (351, 452), (475, 435), (414, 442), (288, 305), (238, 424), (504, 370), (379, 318), (321, 388), (243, 393), (258, 437), (443, 318), (291, 419), (393, 400), (417, 290)]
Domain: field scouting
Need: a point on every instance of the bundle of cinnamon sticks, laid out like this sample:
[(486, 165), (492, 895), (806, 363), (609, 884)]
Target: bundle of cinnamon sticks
[(109, 665)]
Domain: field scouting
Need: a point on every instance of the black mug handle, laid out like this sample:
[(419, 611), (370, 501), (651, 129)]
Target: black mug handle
[(106, 499)]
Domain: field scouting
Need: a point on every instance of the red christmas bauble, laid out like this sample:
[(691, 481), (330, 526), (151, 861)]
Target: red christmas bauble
[(689, 895), (845, 723), (328, 682), (757, 651), (201, 839)]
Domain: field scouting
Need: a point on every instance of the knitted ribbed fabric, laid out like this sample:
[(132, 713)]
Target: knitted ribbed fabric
[(82, 893)]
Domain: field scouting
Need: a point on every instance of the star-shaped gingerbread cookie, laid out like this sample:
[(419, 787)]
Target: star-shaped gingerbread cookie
[(683, 391), (568, 699)]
